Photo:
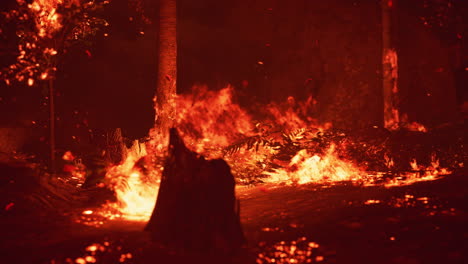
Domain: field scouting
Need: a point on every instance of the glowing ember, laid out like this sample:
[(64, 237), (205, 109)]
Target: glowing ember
[(92, 247), (296, 251), (372, 202), (80, 261), (68, 156), (102, 252), (90, 259), (123, 257)]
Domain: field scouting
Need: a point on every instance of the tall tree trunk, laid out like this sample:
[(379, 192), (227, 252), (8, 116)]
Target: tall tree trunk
[(389, 67), (164, 100), (196, 209)]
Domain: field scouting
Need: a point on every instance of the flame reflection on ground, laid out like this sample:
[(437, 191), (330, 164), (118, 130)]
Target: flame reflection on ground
[(297, 251)]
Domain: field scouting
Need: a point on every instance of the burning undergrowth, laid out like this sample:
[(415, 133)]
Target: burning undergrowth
[(282, 141), (135, 186), (282, 144)]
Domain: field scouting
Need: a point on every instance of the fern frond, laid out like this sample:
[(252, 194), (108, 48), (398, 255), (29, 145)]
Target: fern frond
[(249, 143), (295, 135)]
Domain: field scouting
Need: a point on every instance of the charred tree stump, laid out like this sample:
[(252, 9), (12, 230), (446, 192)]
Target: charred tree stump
[(196, 209)]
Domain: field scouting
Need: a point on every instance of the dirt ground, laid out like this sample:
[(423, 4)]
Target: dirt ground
[(421, 223)]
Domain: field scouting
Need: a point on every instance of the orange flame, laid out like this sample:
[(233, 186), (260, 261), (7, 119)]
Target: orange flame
[(209, 121), (136, 193), (415, 126), (307, 168), (420, 173), (293, 115)]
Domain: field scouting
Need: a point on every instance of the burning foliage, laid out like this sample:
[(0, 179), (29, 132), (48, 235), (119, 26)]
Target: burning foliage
[(45, 30), (280, 145), (135, 187)]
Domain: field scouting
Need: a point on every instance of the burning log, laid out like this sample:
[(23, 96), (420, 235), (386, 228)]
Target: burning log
[(196, 209)]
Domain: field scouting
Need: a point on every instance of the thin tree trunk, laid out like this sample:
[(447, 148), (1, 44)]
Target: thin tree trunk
[(389, 67), (52, 125), (167, 70)]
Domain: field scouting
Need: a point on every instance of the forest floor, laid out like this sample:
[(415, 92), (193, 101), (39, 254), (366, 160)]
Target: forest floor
[(426, 222)]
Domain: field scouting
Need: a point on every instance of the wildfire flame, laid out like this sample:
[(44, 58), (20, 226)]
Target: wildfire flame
[(209, 121), (415, 126), (307, 168), (293, 115), (136, 192), (420, 173)]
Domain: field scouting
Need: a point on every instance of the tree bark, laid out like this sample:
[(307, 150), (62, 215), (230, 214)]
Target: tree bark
[(52, 168), (164, 100), (389, 67)]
